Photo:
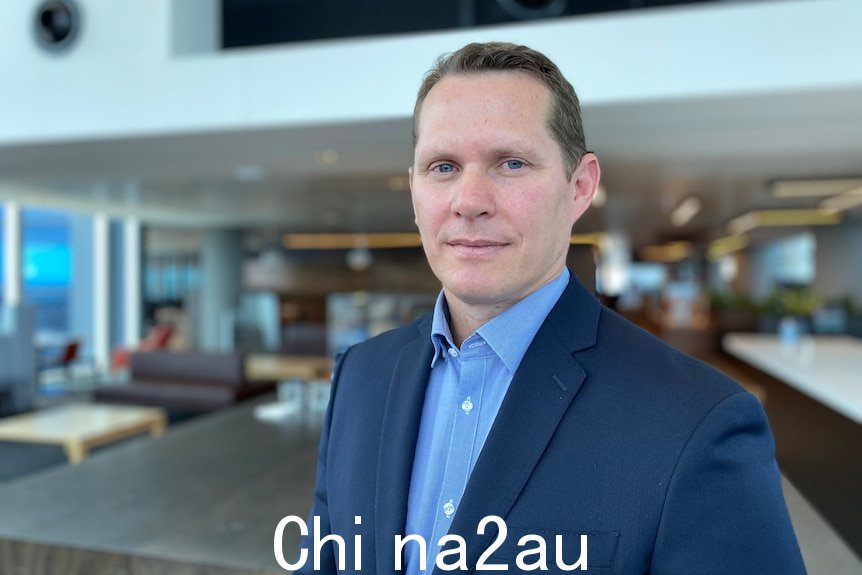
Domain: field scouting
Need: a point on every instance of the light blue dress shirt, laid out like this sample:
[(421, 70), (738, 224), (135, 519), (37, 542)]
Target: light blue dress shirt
[(464, 393)]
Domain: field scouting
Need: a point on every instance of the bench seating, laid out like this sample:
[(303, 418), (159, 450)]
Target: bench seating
[(184, 381)]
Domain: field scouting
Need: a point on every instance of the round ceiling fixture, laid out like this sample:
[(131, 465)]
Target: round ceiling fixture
[(57, 23), (529, 9)]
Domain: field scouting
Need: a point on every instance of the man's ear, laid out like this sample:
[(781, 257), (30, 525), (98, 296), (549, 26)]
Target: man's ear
[(584, 183)]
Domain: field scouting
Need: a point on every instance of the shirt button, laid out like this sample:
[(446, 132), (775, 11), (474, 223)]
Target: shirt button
[(467, 406), (453, 352), (449, 509)]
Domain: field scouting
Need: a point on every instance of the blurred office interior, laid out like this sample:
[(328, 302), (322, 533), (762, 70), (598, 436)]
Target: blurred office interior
[(204, 200)]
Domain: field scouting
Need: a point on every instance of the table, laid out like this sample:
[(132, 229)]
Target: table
[(825, 368), (263, 367), (80, 427)]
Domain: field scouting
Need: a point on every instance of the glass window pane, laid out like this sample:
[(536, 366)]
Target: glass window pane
[(2, 256), (47, 264)]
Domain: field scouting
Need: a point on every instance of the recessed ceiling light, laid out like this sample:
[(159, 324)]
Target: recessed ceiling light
[(249, 173), (359, 259), (327, 157), (685, 211)]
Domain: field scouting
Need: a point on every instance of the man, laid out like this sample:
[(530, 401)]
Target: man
[(521, 397)]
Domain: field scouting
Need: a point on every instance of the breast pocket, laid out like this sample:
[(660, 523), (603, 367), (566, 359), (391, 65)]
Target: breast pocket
[(539, 547)]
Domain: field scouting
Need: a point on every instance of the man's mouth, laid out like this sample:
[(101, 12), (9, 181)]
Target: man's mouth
[(476, 246), (476, 243)]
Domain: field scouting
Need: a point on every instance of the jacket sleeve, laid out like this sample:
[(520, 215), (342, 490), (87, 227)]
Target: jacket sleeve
[(320, 505), (724, 510)]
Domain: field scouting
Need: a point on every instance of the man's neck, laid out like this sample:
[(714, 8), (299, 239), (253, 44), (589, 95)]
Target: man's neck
[(465, 318)]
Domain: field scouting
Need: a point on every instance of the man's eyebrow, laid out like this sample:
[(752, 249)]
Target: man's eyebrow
[(434, 154), (520, 149)]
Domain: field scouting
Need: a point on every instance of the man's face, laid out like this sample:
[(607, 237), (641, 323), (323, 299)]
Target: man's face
[(491, 196)]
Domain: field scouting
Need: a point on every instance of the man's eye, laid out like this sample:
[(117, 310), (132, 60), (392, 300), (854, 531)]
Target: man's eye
[(443, 168), (514, 164)]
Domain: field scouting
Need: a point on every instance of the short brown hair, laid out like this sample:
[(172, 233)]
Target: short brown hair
[(564, 121)]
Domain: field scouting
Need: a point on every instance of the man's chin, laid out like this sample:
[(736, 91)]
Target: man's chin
[(475, 293)]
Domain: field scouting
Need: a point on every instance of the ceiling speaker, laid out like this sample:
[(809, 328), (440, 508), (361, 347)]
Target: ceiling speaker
[(57, 23)]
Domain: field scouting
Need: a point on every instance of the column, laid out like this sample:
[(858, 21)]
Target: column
[(132, 281), (13, 285), (221, 282), (101, 292)]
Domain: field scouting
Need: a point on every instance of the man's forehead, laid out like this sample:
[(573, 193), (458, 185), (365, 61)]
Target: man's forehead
[(503, 87), (446, 97)]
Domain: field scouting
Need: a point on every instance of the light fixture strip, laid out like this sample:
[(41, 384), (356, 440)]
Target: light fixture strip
[(348, 241), (668, 253), (845, 201), (726, 245), (812, 188), (808, 217), (591, 239)]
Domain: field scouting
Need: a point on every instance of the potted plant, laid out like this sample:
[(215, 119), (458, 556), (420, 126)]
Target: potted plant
[(794, 306)]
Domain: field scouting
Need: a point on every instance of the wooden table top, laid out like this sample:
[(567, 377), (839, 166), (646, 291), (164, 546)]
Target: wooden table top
[(80, 421), (264, 367)]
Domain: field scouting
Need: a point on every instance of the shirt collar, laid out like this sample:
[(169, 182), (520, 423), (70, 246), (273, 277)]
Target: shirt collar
[(441, 335), (508, 334)]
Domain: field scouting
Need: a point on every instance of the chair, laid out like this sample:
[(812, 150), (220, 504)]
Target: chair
[(68, 354), (158, 338)]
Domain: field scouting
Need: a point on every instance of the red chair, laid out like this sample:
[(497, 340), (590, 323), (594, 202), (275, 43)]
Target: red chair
[(68, 354), (158, 338)]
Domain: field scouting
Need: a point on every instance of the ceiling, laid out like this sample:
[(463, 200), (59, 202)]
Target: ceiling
[(724, 150)]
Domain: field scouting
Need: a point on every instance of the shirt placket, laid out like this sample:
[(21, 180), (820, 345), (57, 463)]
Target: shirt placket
[(461, 444)]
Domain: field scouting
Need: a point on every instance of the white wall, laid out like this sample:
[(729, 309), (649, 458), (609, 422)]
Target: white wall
[(128, 75)]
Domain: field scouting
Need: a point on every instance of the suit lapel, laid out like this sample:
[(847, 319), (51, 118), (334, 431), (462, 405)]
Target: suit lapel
[(398, 436), (541, 391)]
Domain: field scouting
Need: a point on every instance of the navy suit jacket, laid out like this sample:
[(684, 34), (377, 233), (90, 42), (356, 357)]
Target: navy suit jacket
[(663, 462)]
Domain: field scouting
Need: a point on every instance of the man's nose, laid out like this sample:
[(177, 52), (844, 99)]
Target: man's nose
[(473, 195)]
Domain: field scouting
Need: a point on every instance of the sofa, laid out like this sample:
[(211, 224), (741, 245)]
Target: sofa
[(185, 382), (158, 339)]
